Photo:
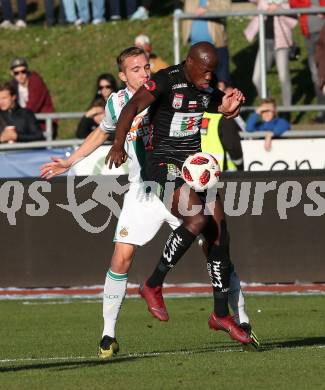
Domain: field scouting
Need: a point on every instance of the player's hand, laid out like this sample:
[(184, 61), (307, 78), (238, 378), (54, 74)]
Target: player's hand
[(231, 103), (9, 134), (54, 168), (117, 156), (272, 7), (200, 11), (268, 141)]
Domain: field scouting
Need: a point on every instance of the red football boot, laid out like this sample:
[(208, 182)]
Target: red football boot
[(155, 301), (228, 324)]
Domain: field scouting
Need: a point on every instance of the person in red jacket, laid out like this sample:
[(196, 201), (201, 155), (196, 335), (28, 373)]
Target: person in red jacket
[(32, 92), (311, 26)]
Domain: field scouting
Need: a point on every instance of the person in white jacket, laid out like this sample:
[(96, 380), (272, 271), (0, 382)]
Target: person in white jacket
[(278, 39)]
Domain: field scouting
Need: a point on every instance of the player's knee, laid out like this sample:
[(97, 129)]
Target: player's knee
[(197, 224), (122, 257)]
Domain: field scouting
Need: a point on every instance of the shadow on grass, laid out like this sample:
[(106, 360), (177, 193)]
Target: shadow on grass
[(68, 364), (303, 342), (86, 363), (214, 347)]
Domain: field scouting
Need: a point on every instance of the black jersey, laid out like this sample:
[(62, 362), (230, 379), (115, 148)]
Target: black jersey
[(176, 115)]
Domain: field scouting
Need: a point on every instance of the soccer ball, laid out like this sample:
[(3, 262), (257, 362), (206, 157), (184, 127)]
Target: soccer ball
[(201, 171)]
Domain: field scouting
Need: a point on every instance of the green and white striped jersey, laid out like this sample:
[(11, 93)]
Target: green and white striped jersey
[(137, 137)]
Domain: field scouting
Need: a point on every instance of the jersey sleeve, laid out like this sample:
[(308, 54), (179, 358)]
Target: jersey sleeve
[(158, 84), (112, 112)]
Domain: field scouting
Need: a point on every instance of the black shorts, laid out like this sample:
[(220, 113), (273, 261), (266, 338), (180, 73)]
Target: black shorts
[(163, 173)]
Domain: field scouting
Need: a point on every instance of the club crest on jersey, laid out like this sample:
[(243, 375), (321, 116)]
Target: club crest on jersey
[(150, 85), (205, 100), (178, 101)]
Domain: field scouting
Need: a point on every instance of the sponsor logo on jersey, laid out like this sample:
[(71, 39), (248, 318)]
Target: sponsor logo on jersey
[(178, 101), (124, 232), (185, 124), (173, 172), (192, 104), (150, 85), (179, 86), (139, 128), (121, 98)]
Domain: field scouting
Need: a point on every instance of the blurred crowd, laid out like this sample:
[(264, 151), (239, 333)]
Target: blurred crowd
[(79, 12), (27, 93)]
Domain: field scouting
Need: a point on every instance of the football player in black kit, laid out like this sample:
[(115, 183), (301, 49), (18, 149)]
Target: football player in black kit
[(178, 96)]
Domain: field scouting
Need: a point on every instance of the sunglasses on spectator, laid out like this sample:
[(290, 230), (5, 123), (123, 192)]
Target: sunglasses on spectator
[(101, 87), (17, 72)]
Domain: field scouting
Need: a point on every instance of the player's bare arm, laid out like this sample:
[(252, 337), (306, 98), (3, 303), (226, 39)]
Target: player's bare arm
[(141, 100), (58, 165)]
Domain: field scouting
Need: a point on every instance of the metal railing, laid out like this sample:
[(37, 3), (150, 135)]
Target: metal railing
[(49, 117), (261, 36), (76, 115), (76, 142)]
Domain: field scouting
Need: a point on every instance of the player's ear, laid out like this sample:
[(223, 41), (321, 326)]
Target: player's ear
[(189, 61), (122, 76)]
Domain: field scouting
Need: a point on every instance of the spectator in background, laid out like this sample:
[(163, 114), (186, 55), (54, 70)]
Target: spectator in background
[(212, 31), (320, 59), (311, 26), (278, 39), (115, 10), (50, 13), (16, 124), (265, 118), (156, 63), (105, 86), (142, 12), (32, 91), (98, 9), (8, 14)]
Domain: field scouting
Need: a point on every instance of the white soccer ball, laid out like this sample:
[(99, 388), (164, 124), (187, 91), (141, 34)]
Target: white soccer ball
[(201, 171)]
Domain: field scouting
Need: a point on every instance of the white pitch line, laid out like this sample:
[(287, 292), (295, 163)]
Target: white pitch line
[(150, 354)]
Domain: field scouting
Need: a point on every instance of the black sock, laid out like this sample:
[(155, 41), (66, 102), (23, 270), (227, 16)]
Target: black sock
[(177, 244), (219, 269), (220, 303)]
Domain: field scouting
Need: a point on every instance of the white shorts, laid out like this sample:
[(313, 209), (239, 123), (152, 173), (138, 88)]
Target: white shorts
[(141, 217)]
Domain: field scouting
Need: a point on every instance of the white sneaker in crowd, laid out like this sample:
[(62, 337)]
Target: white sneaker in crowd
[(6, 24), (20, 24), (98, 21), (79, 22), (140, 14)]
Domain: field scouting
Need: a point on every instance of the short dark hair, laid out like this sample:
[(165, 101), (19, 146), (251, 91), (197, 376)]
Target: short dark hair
[(129, 52), (8, 86)]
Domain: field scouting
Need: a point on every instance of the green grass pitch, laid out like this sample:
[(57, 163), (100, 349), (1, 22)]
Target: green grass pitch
[(53, 345)]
